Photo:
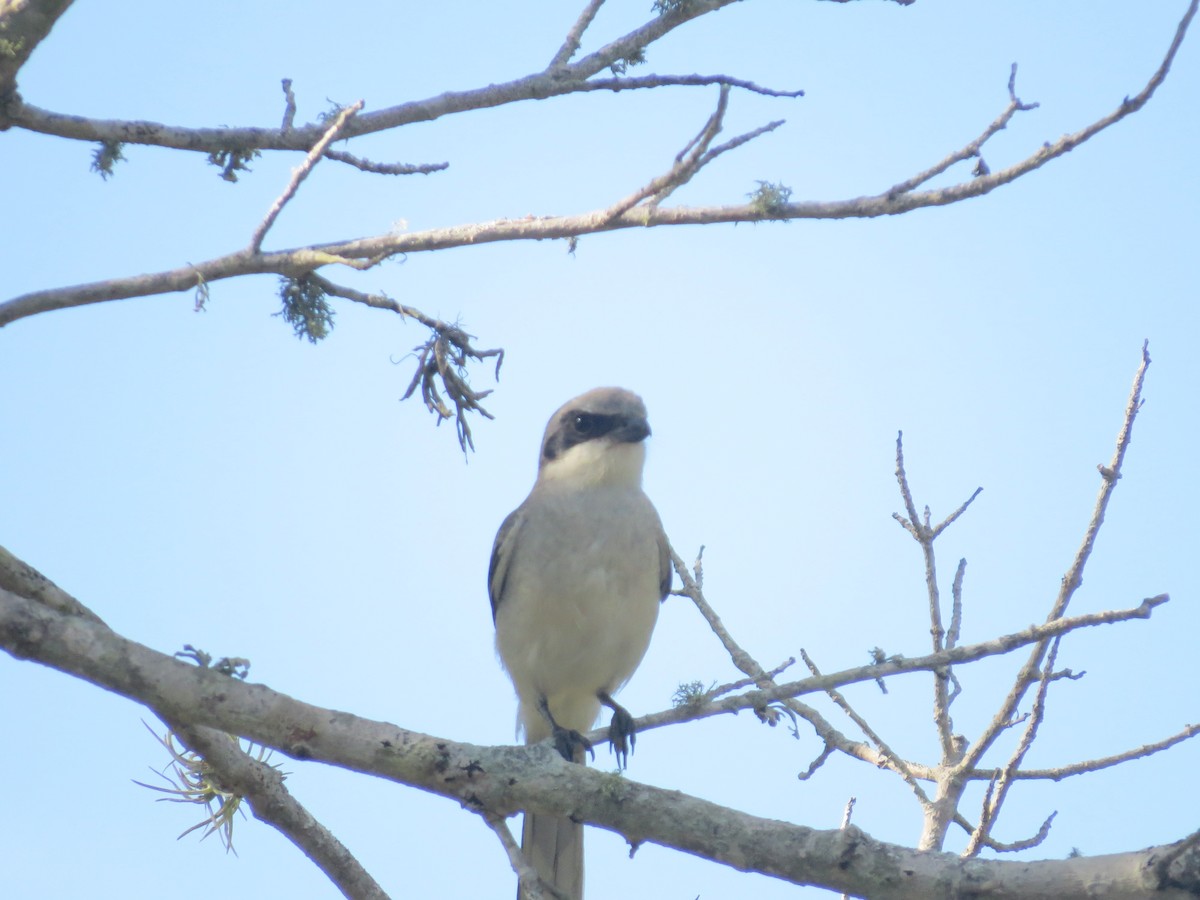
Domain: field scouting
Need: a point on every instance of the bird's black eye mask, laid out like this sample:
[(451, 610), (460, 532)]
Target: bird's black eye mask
[(578, 427)]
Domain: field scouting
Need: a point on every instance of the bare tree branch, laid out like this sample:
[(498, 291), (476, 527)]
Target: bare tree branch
[(539, 86), (21, 578), (301, 172), (1074, 576), (971, 150), (441, 360), (688, 162), (898, 763), (1015, 846), (503, 779), (23, 25), (303, 259), (570, 44), (654, 81), (998, 787), (259, 784), (896, 665), (552, 82), (925, 534), (378, 168), (529, 886), (262, 787), (1093, 765), (289, 107)]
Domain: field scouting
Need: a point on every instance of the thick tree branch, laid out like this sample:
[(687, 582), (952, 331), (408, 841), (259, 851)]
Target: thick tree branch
[(21, 578), (502, 780), (557, 80), (262, 787), (303, 259), (23, 25), (302, 138), (897, 200), (259, 784)]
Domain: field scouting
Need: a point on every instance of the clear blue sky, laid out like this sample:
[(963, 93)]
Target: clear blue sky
[(206, 478)]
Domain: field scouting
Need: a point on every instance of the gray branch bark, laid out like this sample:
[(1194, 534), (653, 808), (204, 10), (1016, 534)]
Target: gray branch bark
[(502, 780), (368, 251), (23, 25)]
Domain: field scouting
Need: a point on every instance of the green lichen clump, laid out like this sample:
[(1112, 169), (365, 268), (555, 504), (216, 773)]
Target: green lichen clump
[(770, 199), (306, 308)]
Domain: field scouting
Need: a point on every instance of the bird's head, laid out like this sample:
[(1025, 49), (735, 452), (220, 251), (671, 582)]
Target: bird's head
[(597, 438)]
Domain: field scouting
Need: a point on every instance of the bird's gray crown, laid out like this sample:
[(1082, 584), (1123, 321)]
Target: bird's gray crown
[(608, 413)]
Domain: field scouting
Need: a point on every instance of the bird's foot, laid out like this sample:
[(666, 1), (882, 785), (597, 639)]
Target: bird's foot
[(571, 744), (621, 731), (567, 741)]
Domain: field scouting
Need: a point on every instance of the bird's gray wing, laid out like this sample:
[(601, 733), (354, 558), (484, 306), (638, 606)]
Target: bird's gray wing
[(665, 570), (502, 551)]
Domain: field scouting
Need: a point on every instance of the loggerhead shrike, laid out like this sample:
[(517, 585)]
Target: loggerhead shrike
[(577, 575)]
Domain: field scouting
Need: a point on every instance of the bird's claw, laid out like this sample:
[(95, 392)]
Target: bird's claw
[(621, 735), (571, 744)]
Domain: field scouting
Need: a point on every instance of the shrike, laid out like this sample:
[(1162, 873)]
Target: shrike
[(577, 575)]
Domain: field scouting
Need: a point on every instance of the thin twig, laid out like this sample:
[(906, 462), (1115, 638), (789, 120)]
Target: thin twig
[(848, 812), (925, 534), (723, 689), (1110, 474), (1094, 765), (999, 786), (301, 172), (1010, 846), (529, 885), (378, 168), (895, 762), (953, 517), (972, 149), (817, 762), (952, 634), (289, 108), (696, 154), (442, 361), (764, 680), (571, 42), (644, 82), (896, 665)]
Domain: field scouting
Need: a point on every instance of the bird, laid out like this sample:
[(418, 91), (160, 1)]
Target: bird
[(577, 575)]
